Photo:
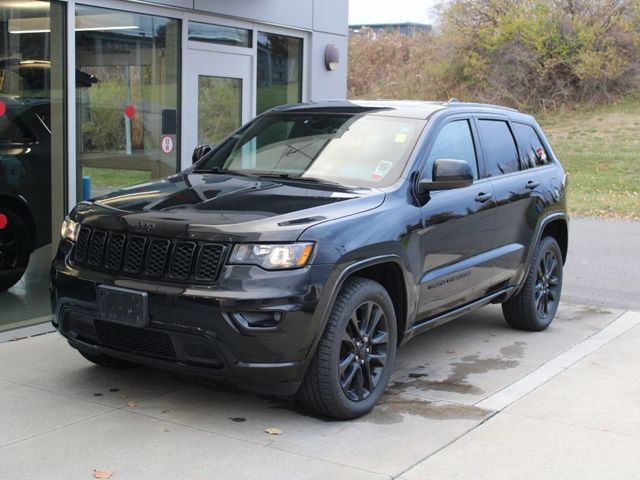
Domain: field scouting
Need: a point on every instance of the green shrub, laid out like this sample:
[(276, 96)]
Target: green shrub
[(533, 54)]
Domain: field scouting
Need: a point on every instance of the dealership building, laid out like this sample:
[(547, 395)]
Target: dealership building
[(99, 94)]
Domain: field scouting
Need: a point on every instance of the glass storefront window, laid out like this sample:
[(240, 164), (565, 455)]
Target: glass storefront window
[(32, 63), (219, 108), (220, 34), (130, 67), (279, 70)]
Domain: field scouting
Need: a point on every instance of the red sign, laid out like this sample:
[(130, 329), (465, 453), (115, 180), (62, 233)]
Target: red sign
[(129, 111), (166, 144), (3, 108)]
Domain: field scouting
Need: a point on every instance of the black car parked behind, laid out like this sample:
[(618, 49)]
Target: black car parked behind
[(297, 255)]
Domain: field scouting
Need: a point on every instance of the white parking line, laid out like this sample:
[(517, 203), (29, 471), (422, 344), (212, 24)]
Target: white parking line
[(514, 392)]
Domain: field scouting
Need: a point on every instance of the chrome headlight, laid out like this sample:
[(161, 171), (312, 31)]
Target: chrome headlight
[(276, 256), (70, 229)]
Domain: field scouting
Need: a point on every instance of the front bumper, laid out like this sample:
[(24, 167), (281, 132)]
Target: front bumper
[(202, 330)]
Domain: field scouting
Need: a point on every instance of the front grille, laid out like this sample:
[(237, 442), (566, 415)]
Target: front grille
[(134, 340), (148, 257)]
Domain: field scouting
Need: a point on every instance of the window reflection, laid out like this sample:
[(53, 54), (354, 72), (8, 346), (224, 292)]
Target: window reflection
[(132, 63), (279, 70), (31, 155)]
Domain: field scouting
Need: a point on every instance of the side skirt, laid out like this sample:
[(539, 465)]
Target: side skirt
[(433, 322)]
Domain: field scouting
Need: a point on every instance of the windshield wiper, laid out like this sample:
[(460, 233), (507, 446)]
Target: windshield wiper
[(222, 171), (299, 178)]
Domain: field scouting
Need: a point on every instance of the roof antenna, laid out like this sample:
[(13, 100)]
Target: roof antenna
[(453, 99)]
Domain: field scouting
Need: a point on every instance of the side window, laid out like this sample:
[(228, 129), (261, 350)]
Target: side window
[(500, 154), (456, 142), (532, 152)]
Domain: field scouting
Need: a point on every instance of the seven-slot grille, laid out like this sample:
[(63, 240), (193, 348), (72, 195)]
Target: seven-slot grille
[(148, 257)]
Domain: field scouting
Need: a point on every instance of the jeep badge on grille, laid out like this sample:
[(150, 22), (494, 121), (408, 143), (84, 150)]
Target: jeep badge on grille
[(143, 226)]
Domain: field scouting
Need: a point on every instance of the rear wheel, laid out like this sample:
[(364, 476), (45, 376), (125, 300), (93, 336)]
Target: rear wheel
[(353, 362), (15, 239), (534, 307), (108, 361)]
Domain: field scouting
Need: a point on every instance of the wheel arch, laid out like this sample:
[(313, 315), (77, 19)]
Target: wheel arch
[(556, 225), (387, 270)]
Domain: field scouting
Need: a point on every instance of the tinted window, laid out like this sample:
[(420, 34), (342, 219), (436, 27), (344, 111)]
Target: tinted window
[(500, 154), (454, 141), (203, 32), (279, 70), (532, 152)]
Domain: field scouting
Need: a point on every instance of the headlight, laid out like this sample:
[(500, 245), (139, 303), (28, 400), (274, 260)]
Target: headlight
[(272, 257), (70, 229)]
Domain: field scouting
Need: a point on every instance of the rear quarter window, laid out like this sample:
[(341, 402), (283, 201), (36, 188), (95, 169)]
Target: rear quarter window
[(532, 151)]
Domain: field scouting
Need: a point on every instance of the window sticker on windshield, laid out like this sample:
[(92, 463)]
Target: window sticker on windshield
[(381, 170), (401, 137)]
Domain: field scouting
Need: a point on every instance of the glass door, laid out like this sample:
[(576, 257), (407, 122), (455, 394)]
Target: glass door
[(216, 97)]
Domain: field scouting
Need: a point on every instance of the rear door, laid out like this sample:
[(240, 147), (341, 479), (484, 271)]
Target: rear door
[(516, 188), (457, 227)]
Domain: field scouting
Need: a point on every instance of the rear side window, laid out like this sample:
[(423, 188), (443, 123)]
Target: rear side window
[(456, 142), (500, 154), (532, 152)]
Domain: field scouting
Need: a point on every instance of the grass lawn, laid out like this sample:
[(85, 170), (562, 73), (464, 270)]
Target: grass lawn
[(108, 179), (600, 148)]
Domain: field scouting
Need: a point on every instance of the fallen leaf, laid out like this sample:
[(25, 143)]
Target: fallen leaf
[(273, 431), (131, 404), (123, 396), (166, 410), (102, 473), (167, 430)]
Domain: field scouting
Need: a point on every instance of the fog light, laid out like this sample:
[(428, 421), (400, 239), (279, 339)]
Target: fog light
[(258, 319)]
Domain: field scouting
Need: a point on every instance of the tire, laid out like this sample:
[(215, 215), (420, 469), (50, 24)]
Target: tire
[(108, 361), (535, 305), (15, 241), (352, 364)]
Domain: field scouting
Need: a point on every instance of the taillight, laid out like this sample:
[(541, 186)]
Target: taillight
[(3, 221)]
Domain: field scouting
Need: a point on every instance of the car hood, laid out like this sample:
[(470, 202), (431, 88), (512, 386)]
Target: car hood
[(223, 207)]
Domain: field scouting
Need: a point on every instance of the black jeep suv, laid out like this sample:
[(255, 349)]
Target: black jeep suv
[(299, 253)]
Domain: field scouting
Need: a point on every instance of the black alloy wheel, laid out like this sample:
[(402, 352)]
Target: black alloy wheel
[(534, 307), (15, 239), (352, 363), (363, 353), (547, 288)]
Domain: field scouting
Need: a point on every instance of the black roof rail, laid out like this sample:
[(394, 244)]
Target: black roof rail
[(457, 103)]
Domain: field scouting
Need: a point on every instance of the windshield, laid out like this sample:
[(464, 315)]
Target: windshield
[(361, 150)]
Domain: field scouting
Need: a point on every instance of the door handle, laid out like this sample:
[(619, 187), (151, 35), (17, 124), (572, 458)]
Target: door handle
[(531, 184), (483, 197)]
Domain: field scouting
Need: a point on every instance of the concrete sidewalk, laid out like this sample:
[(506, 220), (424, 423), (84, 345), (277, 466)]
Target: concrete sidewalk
[(471, 398)]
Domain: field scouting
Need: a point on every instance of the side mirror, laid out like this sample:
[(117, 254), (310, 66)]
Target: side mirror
[(200, 151), (448, 174)]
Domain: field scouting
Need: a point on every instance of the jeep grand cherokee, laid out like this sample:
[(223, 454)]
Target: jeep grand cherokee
[(298, 254)]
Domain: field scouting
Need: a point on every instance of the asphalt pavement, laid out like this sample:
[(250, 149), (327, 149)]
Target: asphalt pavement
[(603, 265)]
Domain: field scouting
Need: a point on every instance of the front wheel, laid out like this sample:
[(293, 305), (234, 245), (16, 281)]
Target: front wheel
[(535, 305), (15, 239), (353, 362)]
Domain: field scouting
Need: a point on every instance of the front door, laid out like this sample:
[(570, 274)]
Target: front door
[(216, 97), (457, 229)]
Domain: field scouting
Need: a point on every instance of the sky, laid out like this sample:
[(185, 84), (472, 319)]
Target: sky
[(391, 11)]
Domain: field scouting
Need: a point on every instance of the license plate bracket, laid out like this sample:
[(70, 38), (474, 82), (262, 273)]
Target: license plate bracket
[(124, 306)]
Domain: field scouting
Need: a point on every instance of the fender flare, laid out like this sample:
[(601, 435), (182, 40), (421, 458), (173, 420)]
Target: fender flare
[(536, 240), (328, 297)]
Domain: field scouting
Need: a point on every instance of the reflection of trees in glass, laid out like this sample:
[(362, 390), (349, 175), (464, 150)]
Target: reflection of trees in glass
[(219, 108), (102, 108)]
